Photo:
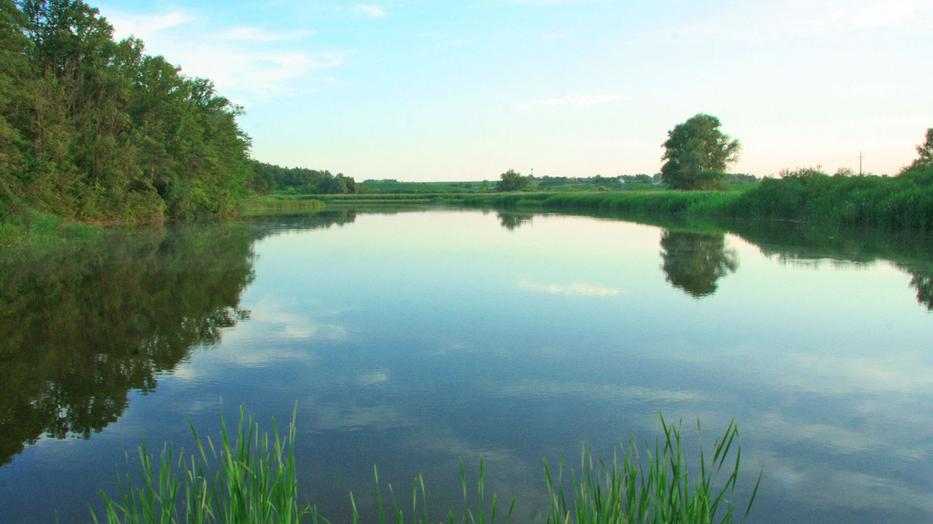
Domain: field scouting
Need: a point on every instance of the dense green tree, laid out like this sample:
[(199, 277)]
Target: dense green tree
[(94, 129), (697, 153), (512, 180), (925, 150), (268, 177)]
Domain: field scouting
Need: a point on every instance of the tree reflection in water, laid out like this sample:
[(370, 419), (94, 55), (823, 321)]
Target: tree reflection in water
[(694, 262), (82, 326), (512, 221)]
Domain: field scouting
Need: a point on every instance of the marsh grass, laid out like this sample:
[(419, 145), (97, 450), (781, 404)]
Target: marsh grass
[(28, 228), (805, 195), (278, 205), (251, 477), (655, 489)]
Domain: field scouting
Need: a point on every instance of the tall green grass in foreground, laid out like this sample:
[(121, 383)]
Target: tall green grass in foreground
[(251, 477)]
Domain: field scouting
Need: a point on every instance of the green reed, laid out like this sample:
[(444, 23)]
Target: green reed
[(659, 489), (251, 477)]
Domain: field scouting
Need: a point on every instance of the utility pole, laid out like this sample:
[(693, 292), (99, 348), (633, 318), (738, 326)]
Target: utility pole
[(860, 163)]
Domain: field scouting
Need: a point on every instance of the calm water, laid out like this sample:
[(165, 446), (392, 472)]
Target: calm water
[(415, 339)]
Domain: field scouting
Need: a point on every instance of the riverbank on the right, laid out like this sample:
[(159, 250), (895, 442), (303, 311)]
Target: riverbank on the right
[(901, 202)]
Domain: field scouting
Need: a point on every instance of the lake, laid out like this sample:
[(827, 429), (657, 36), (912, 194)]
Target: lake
[(414, 339)]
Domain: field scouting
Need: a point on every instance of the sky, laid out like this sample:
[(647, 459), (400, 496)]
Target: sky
[(464, 90)]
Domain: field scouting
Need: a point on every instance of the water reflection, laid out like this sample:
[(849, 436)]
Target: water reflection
[(511, 220), (351, 324), (797, 243), (923, 283), (81, 327), (694, 262), (301, 222)]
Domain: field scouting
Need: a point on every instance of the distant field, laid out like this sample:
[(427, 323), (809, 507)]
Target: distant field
[(389, 186), (487, 186), (482, 187)]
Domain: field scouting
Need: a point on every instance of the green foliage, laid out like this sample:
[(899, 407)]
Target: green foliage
[(252, 477), (901, 202), (904, 201), (82, 323), (268, 178), (657, 489), (279, 205), (696, 154), (925, 152), (512, 180), (95, 130)]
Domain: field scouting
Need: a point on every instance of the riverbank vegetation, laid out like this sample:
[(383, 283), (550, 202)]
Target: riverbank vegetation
[(95, 130), (269, 178), (557, 184), (252, 476), (904, 201), (696, 154), (278, 205)]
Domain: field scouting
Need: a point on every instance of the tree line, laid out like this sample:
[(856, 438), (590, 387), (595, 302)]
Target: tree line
[(268, 178), (94, 129), (512, 180), (696, 156)]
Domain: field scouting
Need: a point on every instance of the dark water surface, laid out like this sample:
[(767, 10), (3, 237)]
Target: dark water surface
[(417, 339)]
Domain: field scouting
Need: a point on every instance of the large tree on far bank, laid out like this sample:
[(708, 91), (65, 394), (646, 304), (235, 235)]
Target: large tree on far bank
[(512, 180), (925, 150), (696, 154)]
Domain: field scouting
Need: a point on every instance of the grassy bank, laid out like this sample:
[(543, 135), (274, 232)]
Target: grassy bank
[(251, 476), (278, 205), (902, 202), (24, 227)]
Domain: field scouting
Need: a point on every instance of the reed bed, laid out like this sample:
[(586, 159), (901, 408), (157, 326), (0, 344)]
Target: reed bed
[(804, 195), (250, 476)]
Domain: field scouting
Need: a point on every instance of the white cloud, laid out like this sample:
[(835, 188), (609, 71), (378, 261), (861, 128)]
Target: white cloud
[(144, 26), (370, 10), (244, 62), (294, 326), (255, 34), (873, 15), (754, 23), (570, 290), (594, 392), (576, 101), (373, 378), (335, 417), (557, 2)]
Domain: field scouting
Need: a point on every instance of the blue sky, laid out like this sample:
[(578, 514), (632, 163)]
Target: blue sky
[(463, 90)]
